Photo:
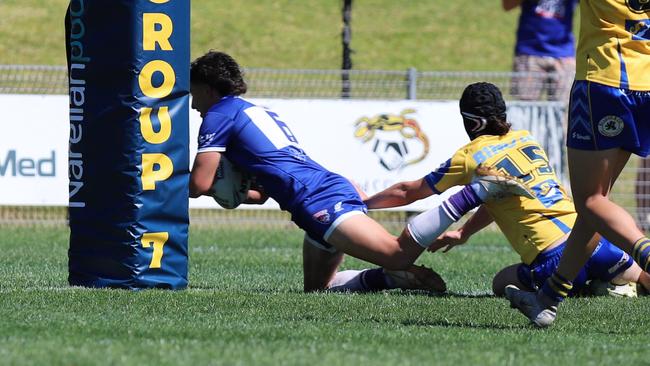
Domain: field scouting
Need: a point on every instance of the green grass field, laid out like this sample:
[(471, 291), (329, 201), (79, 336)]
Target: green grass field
[(244, 306)]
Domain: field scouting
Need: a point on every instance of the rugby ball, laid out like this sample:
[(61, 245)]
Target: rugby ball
[(231, 184)]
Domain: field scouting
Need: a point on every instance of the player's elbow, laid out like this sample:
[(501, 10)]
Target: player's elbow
[(194, 193), (197, 189)]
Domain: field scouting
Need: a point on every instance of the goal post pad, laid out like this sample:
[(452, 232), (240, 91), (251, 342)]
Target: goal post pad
[(128, 163)]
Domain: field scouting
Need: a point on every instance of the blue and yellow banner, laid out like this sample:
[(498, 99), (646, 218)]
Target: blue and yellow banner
[(128, 163)]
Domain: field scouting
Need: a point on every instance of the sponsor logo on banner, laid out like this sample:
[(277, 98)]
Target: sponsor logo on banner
[(13, 164), (397, 140), (610, 126), (77, 75)]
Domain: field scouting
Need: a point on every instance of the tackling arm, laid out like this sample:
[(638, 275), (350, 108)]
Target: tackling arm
[(400, 194), (474, 224), (203, 172)]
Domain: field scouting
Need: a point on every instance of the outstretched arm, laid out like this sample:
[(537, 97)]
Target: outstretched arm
[(400, 194)]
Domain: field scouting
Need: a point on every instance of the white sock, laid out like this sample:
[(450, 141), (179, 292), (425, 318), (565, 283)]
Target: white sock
[(347, 281)]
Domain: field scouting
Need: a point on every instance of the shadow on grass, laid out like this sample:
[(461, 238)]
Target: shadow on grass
[(483, 295), (444, 323), (394, 292)]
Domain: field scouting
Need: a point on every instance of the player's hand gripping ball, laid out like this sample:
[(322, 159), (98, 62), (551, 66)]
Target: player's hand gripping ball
[(231, 185)]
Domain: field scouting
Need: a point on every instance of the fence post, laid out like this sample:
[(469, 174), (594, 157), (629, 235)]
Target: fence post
[(412, 83)]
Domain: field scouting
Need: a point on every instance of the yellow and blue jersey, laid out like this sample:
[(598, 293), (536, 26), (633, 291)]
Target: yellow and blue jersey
[(530, 225), (614, 43)]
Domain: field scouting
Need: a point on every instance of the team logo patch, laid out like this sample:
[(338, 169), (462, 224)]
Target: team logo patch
[(638, 6), (397, 140), (322, 216), (551, 8), (610, 126), (620, 263), (207, 138), (639, 29)]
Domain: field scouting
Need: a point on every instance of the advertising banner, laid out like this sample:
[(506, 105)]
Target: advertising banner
[(374, 143)]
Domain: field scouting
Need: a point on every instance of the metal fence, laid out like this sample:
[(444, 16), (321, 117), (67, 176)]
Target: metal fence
[(632, 190), (280, 83)]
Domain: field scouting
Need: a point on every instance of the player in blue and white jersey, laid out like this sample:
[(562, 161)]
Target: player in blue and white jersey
[(324, 204)]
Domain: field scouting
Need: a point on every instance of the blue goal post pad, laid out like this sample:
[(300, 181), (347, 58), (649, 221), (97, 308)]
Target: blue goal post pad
[(128, 164)]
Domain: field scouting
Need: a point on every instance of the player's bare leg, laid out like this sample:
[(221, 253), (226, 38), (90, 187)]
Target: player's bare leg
[(593, 173), (363, 238), (319, 267), (374, 244)]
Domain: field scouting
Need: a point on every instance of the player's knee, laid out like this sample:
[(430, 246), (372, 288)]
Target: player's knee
[(590, 204), (498, 286)]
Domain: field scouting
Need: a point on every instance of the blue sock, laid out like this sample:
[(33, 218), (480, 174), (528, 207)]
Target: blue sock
[(555, 289)]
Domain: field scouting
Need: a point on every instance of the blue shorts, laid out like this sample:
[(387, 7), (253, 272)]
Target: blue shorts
[(323, 212), (602, 117), (607, 262)]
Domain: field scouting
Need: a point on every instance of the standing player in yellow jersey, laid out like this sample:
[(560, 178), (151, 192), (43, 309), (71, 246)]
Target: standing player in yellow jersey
[(536, 227), (609, 118)]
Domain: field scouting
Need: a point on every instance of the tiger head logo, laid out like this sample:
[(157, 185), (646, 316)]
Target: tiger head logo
[(397, 140)]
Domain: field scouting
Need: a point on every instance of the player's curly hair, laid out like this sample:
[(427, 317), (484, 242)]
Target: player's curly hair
[(483, 110), (220, 71)]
